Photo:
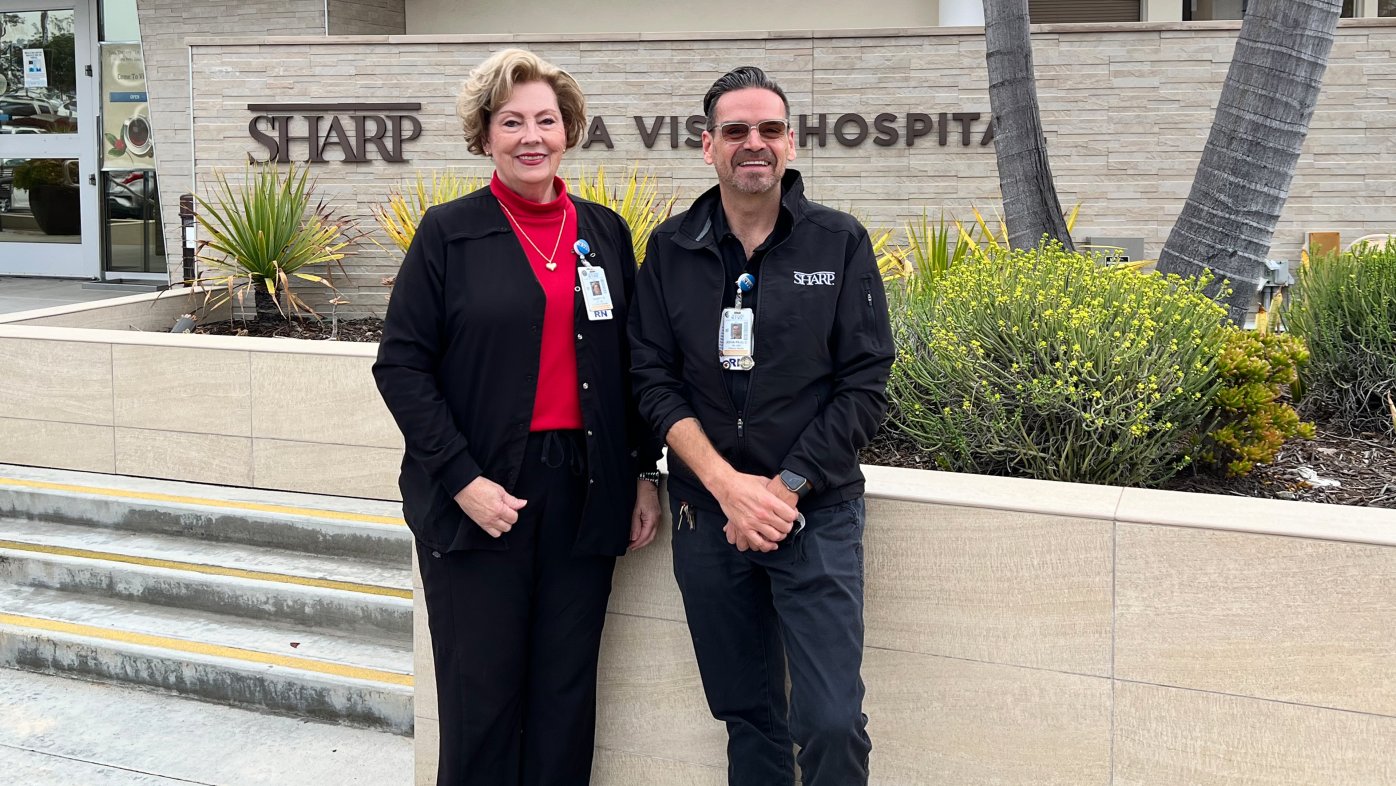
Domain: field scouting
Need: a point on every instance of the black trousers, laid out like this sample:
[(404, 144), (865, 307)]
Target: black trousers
[(516, 635), (750, 613)]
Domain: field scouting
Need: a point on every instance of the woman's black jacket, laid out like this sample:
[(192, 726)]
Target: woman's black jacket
[(458, 368)]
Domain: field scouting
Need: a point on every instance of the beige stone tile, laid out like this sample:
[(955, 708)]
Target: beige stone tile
[(1017, 588), (1291, 619), (423, 666), (1078, 500), (199, 390), (1167, 735), (426, 747), (177, 455), (306, 398), (44, 443), (644, 583), (946, 721), (650, 698), (65, 381), (346, 470), (619, 768), (1261, 516)]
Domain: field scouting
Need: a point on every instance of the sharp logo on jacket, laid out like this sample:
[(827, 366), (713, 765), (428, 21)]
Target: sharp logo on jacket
[(822, 278)]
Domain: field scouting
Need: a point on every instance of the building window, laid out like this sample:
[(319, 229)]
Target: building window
[(1386, 8), (1209, 10), (1078, 11)]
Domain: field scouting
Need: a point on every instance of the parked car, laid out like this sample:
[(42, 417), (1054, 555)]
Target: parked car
[(130, 196), (43, 115)]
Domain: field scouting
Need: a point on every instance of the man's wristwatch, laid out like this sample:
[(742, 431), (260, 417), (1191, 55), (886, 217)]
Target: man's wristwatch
[(795, 484), (652, 477)]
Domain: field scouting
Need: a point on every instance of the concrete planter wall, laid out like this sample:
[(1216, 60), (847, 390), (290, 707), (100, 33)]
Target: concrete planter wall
[(263, 412), (1026, 632), (1018, 631)]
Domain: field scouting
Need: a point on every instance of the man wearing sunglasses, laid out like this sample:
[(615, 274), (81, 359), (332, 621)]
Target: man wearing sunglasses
[(760, 353)]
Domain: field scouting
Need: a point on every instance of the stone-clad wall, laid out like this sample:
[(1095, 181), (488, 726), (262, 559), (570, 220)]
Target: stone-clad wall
[(165, 24), (367, 17), (1127, 110)]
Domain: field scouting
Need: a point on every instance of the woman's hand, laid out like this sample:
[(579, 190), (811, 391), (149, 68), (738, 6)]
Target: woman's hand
[(490, 506), (645, 520)]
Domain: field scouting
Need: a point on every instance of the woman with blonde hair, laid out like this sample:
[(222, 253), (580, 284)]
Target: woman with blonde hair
[(527, 468)]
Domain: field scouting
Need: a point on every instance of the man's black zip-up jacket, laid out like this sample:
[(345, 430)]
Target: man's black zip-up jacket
[(458, 369), (823, 348)]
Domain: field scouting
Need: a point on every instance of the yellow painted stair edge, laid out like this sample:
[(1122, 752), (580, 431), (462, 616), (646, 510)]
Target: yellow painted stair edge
[(151, 496), (200, 648), (211, 570)]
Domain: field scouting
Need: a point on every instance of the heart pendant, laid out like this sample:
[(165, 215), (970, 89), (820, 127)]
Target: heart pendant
[(551, 266)]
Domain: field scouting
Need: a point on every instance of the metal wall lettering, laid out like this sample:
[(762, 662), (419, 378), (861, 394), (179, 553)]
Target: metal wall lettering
[(308, 131)]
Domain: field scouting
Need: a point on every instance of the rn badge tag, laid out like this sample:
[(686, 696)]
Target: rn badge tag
[(595, 292), (734, 340)]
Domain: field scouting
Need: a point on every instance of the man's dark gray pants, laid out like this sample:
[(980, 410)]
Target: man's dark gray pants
[(749, 613)]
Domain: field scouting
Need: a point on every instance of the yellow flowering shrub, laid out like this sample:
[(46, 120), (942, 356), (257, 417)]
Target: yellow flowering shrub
[(1042, 363)]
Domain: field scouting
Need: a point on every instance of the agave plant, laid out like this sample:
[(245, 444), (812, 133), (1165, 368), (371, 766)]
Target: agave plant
[(932, 249), (261, 234), (404, 211), (989, 242), (891, 259), (638, 202)]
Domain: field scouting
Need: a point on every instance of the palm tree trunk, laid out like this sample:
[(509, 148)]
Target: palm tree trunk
[(1247, 166), (1030, 205)]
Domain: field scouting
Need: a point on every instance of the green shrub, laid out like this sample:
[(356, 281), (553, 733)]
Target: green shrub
[(1253, 421), (1344, 307), (1041, 363), (263, 233)]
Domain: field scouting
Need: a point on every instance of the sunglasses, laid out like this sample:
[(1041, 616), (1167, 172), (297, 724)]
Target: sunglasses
[(737, 131)]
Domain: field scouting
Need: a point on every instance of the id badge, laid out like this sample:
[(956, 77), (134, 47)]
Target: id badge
[(734, 340), (596, 293)]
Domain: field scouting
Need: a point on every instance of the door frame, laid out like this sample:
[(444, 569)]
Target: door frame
[(64, 260)]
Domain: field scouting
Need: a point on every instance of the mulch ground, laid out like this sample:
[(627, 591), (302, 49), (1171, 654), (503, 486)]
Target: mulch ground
[(1337, 466), (354, 330)]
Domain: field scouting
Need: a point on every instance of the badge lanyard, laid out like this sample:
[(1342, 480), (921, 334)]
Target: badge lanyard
[(595, 291), (735, 342)]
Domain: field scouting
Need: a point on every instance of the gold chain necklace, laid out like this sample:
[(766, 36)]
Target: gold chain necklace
[(548, 258)]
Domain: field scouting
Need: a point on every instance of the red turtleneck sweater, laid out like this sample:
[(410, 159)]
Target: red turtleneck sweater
[(556, 404)]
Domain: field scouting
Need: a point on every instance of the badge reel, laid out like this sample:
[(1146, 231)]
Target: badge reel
[(735, 341), (596, 293)]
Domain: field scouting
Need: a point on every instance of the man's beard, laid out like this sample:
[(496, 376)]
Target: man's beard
[(753, 182)]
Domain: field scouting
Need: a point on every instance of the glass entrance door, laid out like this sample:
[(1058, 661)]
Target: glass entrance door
[(48, 191)]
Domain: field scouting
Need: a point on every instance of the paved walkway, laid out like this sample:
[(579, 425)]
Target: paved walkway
[(60, 732), (22, 293)]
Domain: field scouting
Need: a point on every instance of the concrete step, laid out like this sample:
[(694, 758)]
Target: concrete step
[(285, 603), (218, 630), (369, 611), (245, 678), (308, 524), (69, 732), (206, 556)]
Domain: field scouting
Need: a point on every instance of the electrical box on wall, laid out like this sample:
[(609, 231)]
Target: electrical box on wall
[(1114, 250)]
